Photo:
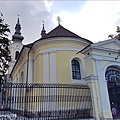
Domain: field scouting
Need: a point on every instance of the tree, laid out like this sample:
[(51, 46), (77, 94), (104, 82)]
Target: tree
[(4, 48), (114, 35)]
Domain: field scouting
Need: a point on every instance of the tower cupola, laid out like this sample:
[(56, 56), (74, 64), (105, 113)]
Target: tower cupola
[(17, 35), (43, 32)]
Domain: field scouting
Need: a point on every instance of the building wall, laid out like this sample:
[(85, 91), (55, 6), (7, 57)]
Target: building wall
[(99, 58), (52, 61)]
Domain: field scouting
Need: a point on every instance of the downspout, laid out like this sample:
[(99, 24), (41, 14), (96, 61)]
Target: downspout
[(26, 86), (27, 66)]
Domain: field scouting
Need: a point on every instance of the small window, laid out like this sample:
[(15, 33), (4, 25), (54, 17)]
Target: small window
[(16, 55), (76, 70)]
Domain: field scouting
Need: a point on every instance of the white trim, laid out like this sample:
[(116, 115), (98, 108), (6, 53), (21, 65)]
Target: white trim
[(104, 49), (102, 87), (52, 67), (52, 106), (100, 57), (45, 68), (99, 46), (74, 81), (62, 40), (90, 79), (101, 43), (50, 50), (30, 69), (107, 65), (45, 76)]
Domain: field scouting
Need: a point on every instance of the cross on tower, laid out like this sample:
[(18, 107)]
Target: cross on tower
[(59, 20), (43, 21)]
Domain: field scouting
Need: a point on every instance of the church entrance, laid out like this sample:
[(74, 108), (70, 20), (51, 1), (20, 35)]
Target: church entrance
[(112, 76)]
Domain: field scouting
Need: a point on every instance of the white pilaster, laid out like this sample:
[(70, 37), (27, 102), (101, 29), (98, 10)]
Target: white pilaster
[(45, 68), (46, 77), (102, 88), (53, 67), (30, 70), (53, 77), (91, 82)]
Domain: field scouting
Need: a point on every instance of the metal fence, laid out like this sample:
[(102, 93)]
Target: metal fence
[(46, 101)]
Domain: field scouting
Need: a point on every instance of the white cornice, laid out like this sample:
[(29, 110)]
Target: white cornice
[(60, 40), (90, 78), (101, 49), (105, 49), (99, 46), (100, 57), (101, 43), (52, 50)]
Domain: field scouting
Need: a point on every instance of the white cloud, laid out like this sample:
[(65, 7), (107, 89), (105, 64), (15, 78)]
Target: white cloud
[(32, 13), (95, 21), (48, 4)]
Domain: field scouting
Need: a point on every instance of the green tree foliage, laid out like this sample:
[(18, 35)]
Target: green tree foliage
[(117, 36), (4, 48)]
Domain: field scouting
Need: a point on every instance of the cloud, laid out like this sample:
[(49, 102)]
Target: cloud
[(31, 16), (48, 4), (95, 21)]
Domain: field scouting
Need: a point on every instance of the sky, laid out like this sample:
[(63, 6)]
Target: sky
[(90, 19)]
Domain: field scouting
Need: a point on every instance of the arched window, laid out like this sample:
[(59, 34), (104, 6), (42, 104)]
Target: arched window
[(16, 55), (75, 69), (112, 74)]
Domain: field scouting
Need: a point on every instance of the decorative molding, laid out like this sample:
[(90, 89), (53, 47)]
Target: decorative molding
[(107, 42), (100, 57), (90, 78), (75, 81), (61, 40), (52, 50), (107, 65), (98, 46), (104, 49)]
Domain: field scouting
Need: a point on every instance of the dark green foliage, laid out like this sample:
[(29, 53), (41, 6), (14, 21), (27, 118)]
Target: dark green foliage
[(4, 48)]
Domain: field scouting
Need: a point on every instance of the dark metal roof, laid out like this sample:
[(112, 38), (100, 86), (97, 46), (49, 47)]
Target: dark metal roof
[(60, 31)]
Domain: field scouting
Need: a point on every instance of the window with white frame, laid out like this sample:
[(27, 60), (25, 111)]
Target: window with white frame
[(16, 55), (76, 74)]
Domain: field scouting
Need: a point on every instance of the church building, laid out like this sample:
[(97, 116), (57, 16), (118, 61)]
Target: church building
[(62, 57)]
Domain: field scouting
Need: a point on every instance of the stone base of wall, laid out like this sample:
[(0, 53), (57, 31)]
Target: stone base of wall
[(107, 119)]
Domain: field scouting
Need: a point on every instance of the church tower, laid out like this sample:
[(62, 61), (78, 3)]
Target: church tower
[(15, 46), (43, 32)]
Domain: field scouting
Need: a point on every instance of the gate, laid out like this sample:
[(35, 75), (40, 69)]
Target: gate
[(46, 101), (114, 96)]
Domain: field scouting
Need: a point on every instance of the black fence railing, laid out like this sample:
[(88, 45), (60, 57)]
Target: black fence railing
[(46, 101)]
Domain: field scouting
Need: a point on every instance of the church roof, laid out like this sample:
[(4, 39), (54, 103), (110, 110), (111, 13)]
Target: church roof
[(60, 31)]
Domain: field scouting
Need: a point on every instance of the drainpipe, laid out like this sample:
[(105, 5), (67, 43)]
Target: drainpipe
[(27, 66), (25, 110)]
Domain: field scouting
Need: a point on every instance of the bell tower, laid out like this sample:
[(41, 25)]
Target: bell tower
[(16, 45)]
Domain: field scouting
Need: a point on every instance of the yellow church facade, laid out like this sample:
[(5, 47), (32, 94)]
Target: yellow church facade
[(62, 57)]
